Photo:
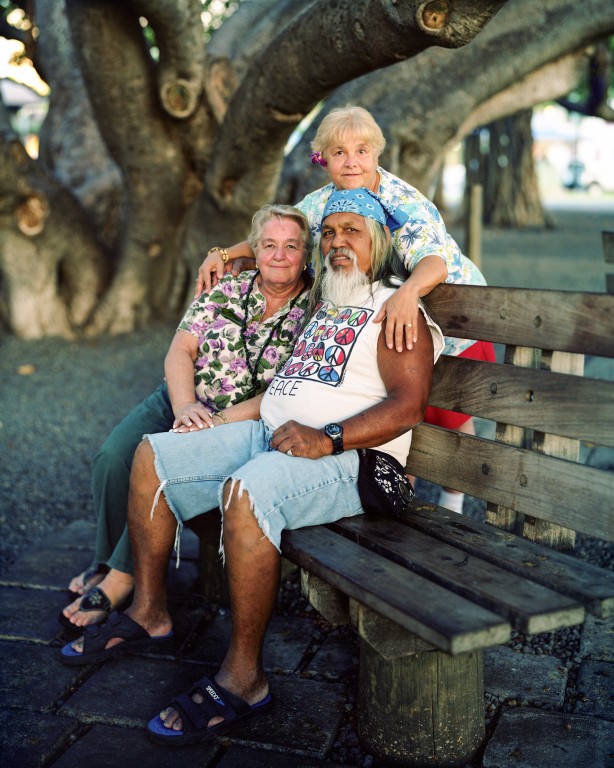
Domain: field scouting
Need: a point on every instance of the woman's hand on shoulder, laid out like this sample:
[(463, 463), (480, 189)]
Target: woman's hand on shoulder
[(239, 258), (401, 312), (210, 271)]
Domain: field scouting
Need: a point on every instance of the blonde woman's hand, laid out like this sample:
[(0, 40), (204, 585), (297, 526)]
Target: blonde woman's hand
[(210, 271), (401, 313)]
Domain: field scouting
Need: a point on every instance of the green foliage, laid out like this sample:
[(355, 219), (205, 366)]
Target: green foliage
[(215, 12)]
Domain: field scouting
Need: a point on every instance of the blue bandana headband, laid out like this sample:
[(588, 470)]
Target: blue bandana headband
[(365, 203)]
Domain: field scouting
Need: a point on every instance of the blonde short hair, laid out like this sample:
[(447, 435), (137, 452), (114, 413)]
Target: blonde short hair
[(347, 121)]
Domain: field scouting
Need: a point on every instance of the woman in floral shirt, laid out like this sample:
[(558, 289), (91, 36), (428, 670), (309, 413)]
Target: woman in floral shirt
[(227, 348)]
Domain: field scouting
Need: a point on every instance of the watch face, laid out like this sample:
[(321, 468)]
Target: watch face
[(333, 430)]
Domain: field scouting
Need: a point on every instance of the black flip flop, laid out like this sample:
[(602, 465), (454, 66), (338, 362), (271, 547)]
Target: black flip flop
[(95, 600), (89, 573)]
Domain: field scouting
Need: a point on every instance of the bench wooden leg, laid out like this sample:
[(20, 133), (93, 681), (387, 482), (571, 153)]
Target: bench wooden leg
[(212, 582), (418, 707)]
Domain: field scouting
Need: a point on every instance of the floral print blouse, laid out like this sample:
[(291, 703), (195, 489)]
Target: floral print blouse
[(222, 373), (424, 234)]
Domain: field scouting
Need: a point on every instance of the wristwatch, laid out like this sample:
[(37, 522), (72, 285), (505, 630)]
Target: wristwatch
[(335, 432)]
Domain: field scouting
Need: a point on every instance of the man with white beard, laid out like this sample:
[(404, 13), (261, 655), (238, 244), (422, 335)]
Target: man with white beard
[(294, 465)]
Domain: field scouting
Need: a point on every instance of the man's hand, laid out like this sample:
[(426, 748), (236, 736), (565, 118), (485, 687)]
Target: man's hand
[(296, 439)]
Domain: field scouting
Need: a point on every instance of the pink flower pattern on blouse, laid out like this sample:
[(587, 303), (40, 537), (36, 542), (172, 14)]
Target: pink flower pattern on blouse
[(221, 374)]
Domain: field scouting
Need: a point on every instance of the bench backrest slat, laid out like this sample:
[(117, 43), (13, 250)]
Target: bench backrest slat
[(548, 488), (561, 320), (530, 398)]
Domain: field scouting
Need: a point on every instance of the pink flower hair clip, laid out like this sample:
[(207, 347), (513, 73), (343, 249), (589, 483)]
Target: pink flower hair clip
[(317, 159)]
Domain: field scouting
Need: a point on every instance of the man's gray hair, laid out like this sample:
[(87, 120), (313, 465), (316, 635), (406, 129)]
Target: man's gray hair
[(268, 212)]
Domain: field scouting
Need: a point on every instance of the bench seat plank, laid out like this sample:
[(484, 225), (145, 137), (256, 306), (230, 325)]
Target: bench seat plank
[(516, 478), (559, 320), (530, 607), (531, 398), (591, 585), (451, 623)]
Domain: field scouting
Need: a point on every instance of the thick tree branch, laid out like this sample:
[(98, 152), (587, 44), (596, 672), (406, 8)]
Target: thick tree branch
[(179, 35), (159, 157), (467, 80), (351, 38), (239, 40)]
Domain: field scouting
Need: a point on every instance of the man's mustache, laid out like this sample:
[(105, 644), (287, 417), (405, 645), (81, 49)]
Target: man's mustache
[(343, 251)]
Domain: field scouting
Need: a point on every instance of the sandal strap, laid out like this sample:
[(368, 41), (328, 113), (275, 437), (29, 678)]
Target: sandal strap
[(217, 702), (96, 636), (96, 600)]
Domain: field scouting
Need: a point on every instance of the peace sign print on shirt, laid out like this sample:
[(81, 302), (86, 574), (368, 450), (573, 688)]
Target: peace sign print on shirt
[(322, 351)]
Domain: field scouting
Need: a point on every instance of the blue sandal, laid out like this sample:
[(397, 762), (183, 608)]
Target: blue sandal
[(217, 702), (96, 637)]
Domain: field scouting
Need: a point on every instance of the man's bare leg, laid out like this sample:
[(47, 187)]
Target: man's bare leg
[(253, 568)]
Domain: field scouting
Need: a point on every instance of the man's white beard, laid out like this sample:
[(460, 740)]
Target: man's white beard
[(339, 285)]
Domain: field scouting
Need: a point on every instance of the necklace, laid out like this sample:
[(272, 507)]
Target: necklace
[(251, 364)]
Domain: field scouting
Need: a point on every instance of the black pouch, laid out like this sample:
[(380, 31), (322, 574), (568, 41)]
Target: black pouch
[(383, 486)]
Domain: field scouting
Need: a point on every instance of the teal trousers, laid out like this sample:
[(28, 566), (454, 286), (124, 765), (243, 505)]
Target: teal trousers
[(111, 477)]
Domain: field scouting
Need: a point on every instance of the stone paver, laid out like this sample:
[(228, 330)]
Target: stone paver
[(108, 747), (30, 614), (337, 657), (285, 645), (129, 691), (595, 686), (32, 677), (29, 738), (597, 639), (538, 680), (532, 738), (45, 567), (239, 757)]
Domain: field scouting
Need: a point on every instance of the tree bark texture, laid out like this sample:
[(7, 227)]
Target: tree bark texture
[(147, 161), (500, 158)]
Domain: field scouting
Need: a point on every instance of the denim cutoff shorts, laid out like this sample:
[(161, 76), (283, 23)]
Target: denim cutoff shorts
[(284, 491)]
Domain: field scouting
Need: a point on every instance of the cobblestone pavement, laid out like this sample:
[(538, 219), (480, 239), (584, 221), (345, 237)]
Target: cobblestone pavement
[(541, 710)]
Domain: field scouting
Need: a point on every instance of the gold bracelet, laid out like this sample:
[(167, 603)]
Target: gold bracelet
[(223, 252), (222, 416)]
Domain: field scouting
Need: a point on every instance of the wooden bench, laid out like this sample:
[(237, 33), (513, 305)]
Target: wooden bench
[(428, 593)]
